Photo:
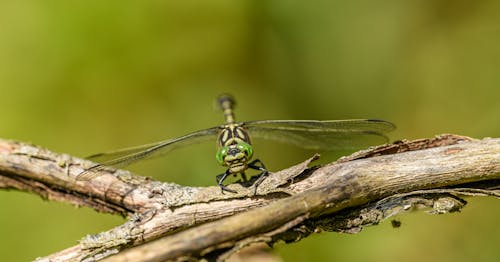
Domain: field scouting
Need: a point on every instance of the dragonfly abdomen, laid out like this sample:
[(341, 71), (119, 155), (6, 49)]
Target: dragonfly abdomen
[(227, 103)]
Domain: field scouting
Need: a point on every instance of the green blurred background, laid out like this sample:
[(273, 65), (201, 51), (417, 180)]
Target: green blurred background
[(81, 77)]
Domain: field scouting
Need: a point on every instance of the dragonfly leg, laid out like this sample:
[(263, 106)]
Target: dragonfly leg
[(258, 165), (244, 177), (220, 178)]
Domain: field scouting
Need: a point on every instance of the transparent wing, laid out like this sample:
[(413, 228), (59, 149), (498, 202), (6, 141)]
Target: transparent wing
[(127, 156), (323, 135)]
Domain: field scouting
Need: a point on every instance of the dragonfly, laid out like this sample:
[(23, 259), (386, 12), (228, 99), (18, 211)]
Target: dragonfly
[(234, 147)]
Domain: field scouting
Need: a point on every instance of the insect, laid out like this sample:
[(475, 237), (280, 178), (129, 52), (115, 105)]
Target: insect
[(234, 147)]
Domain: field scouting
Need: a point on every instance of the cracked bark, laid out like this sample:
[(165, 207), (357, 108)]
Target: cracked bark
[(172, 222)]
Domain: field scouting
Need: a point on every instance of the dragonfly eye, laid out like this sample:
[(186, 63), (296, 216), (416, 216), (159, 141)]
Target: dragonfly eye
[(247, 148), (221, 153)]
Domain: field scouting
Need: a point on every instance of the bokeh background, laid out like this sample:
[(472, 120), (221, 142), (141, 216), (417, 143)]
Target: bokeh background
[(81, 77)]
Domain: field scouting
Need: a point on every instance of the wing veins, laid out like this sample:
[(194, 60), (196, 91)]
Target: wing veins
[(322, 135), (127, 156)]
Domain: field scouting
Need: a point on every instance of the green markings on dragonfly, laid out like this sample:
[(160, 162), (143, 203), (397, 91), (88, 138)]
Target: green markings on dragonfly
[(234, 147)]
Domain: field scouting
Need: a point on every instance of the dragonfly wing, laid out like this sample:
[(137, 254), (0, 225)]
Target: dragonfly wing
[(322, 135), (127, 156)]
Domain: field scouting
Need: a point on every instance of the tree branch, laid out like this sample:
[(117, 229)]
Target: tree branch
[(355, 191)]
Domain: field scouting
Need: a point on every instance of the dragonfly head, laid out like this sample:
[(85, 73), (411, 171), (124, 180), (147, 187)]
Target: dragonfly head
[(235, 156)]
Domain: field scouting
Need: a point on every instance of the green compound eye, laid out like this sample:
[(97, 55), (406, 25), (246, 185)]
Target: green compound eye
[(247, 148), (221, 153)]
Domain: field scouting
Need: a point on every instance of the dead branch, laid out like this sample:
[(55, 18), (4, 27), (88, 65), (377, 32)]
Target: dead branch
[(355, 191)]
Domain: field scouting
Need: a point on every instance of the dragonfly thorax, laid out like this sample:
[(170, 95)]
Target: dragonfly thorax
[(234, 148)]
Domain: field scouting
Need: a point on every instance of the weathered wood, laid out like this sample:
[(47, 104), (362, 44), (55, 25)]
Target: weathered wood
[(357, 190)]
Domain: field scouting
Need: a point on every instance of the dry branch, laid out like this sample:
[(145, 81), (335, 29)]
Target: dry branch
[(353, 192)]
